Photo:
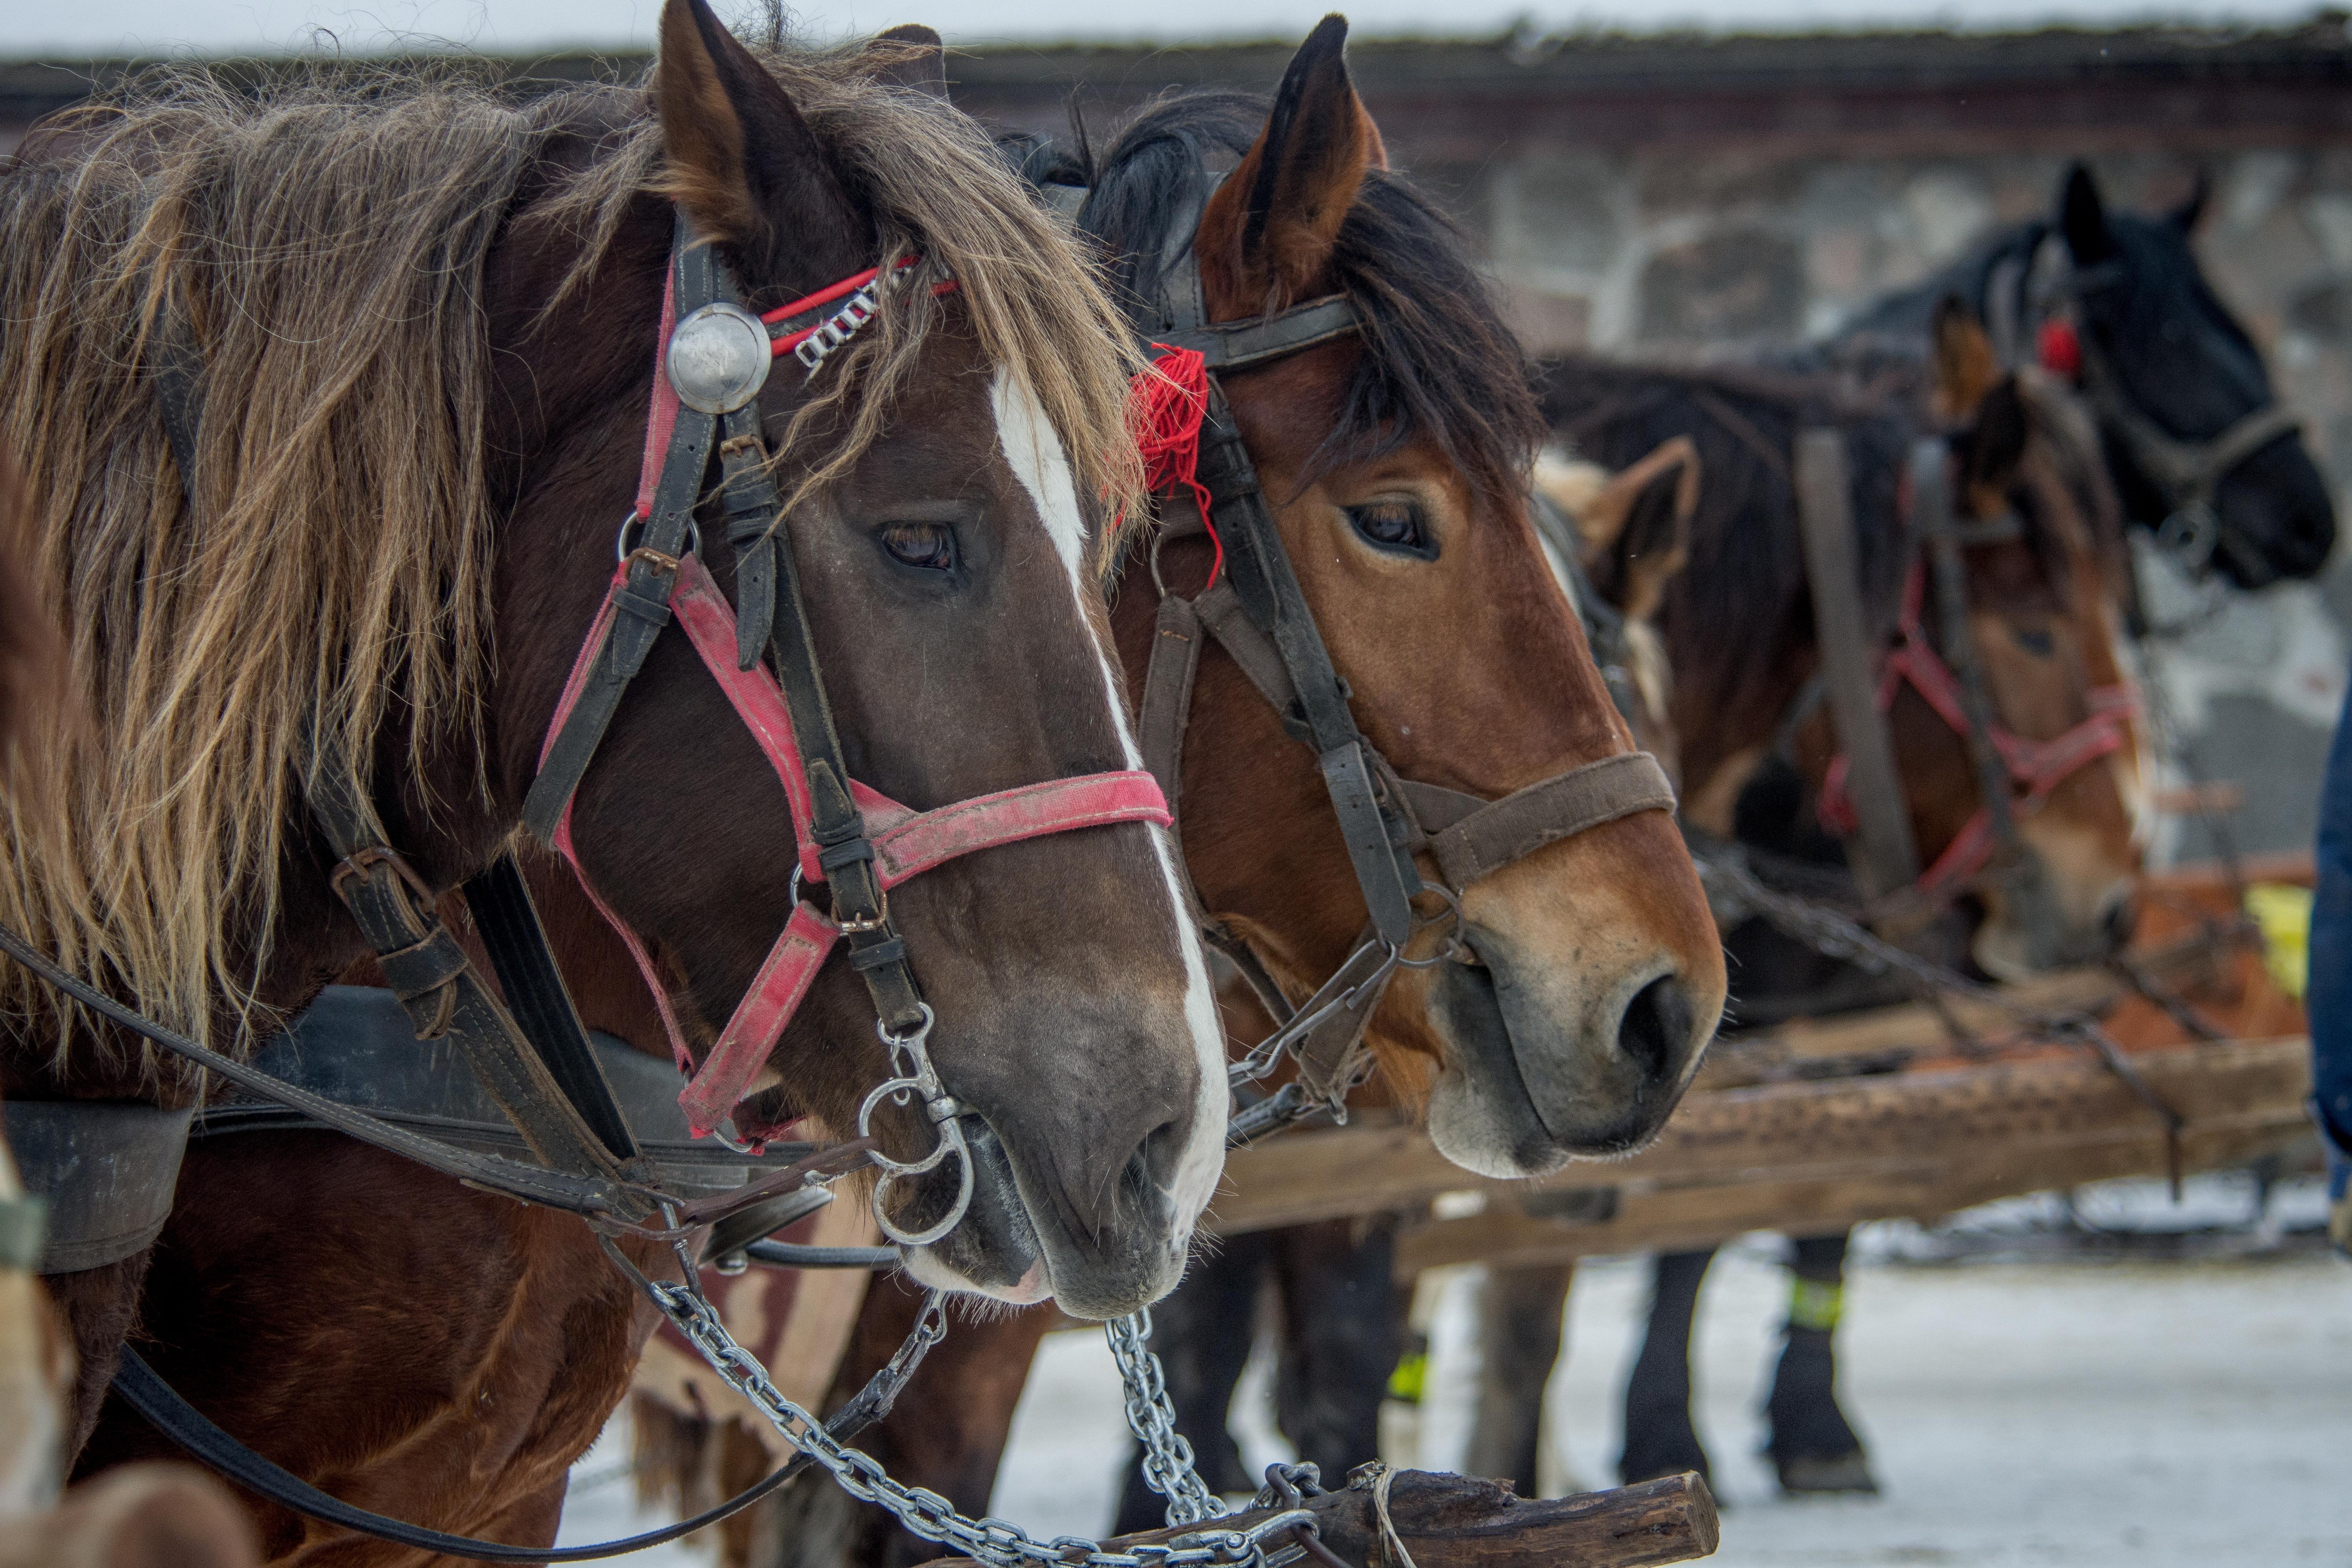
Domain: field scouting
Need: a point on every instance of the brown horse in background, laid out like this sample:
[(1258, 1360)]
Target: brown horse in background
[(2047, 609), (1396, 460), (441, 482)]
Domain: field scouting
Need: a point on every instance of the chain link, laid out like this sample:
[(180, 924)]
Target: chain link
[(996, 1542), (1168, 1466)]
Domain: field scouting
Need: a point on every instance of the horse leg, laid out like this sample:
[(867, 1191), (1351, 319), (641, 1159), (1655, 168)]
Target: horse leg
[(1659, 1438), (1520, 1319), (1343, 1329), (1201, 1331), (1813, 1446)]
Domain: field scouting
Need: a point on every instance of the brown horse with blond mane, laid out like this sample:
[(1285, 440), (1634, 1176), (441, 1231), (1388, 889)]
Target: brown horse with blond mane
[(427, 317)]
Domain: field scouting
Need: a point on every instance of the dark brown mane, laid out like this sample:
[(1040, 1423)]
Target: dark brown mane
[(1746, 580), (1439, 365)]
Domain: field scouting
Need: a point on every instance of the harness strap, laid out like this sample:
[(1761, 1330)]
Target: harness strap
[(170, 1414), (1470, 837), (1166, 708), (1261, 339)]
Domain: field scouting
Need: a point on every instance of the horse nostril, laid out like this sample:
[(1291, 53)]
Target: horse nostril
[(1654, 1028), (1151, 1169)]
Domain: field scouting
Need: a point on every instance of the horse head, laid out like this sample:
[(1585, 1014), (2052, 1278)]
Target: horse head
[(2194, 434), (941, 476), (2044, 584), (1393, 458)]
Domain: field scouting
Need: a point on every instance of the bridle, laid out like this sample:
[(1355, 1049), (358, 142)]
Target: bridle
[(859, 843), (1255, 609), (2184, 471), (2015, 775)]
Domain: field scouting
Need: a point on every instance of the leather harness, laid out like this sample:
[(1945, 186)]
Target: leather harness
[(1255, 610), (529, 1053)]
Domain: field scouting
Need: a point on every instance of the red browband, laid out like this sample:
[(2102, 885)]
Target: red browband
[(2038, 766), (906, 842)]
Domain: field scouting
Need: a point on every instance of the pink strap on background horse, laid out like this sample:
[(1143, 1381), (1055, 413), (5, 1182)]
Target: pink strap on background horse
[(2038, 766)]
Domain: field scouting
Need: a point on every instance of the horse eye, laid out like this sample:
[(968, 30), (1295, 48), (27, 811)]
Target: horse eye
[(1393, 525), (926, 544), (2039, 644)]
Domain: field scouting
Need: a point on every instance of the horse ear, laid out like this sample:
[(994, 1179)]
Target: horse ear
[(1637, 530), (1267, 237), (1965, 363), (1995, 444), (2083, 218), (911, 55), (2186, 216), (739, 157)]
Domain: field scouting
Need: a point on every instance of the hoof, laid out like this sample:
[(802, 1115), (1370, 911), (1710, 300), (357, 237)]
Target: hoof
[(1811, 1476)]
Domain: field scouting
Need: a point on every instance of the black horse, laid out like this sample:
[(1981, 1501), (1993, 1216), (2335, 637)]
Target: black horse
[(2199, 447)]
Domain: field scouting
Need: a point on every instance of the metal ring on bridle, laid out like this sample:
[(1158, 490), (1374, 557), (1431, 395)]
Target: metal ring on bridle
[(916, 1076), (1453, 946), (632, 522), (717, 358)]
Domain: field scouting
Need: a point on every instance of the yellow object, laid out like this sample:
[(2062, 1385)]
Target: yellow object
[(2284, 914), (1411, 1374)]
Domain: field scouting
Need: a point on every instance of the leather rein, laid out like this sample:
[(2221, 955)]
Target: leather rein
[(1255, 610)]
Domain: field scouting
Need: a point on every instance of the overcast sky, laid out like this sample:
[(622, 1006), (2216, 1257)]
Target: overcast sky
[(85, 28)]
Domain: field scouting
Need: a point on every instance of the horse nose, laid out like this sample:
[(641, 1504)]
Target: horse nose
[(1151, 1171), (1654, 1031)]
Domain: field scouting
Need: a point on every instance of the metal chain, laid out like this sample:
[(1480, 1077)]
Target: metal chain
[(1168, 1466), (996, 1542)]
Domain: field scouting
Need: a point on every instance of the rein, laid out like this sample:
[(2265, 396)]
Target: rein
[(1255, 609)]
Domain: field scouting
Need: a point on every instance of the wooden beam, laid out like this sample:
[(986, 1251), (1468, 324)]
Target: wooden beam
[(1790, 1131), (1458, 1522), (1683, 1219)]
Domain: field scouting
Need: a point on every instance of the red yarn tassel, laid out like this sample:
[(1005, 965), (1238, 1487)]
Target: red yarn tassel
[(1168, 403), (2062, 351)]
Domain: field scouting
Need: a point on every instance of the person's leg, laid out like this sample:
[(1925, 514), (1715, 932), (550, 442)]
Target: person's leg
[(2328, 996)]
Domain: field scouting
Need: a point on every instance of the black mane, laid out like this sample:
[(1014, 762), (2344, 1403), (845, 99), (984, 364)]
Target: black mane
[(1438, 362)]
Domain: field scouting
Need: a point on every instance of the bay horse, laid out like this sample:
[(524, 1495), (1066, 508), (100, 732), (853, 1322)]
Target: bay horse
[(2115, 304), (1395, 458), (428, 317), (2047, 608)]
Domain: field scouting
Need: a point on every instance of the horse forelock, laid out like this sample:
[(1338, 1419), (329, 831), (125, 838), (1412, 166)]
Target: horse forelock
[(325, 241), (1438, 363)]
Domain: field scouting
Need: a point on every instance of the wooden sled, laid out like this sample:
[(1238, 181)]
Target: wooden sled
[(1901, 1112), (1458, 1522)]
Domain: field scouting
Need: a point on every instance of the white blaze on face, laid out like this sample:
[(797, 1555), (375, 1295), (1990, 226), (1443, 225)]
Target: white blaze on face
[(1033, 449)]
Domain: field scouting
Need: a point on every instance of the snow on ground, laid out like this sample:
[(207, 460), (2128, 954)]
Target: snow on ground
[(2173, 1414)]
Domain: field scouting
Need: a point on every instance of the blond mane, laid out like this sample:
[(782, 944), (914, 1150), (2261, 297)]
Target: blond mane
[(326, 239)]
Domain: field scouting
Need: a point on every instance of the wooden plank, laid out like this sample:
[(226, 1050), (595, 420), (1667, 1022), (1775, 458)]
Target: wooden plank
[(1456, 1522), (1844, 1127), (1686, 1218)]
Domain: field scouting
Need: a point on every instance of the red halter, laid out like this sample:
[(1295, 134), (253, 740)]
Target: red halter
[(907, 842), (2036, 767)]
